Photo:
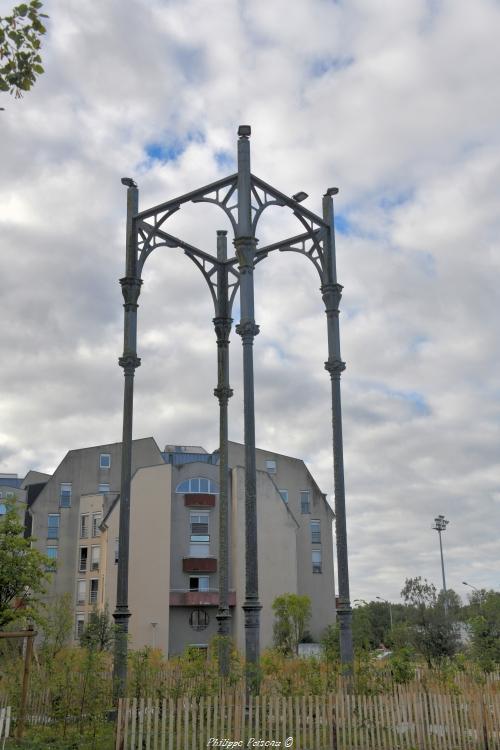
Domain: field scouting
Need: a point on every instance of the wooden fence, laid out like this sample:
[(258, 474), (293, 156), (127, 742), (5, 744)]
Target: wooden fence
[(405, 719)]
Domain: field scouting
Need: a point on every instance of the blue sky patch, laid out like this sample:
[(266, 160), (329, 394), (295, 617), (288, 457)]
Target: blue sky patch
[(171, 147), (323, 65), (225, 160)]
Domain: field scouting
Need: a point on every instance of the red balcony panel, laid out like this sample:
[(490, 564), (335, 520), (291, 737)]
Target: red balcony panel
[(199, 598), (199, 564), (199, 500)]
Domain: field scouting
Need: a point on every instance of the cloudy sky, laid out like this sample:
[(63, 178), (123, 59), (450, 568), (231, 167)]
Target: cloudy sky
[(395, 102)]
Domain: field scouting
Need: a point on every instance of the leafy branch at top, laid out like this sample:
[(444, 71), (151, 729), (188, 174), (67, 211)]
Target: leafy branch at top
[(20, 35)]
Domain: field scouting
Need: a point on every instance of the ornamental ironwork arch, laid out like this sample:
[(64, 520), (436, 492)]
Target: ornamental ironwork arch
[(243, 197)]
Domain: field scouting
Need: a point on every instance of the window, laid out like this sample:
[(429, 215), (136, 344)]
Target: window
[(52, 555), (199, 549), (84, 526), (116, 550), (199, 620), (94, 590), (104, 461), (80, 625), (65, 495), (305, 502), (53, 526), (96, 522), (315, 532), (284, 495), (9, 495), (199, 583), (196, 485), (316, 560), (95, 557), (81, 592), (82, 565), (3, 509), (271, 467), (103, 488), (199, 527)]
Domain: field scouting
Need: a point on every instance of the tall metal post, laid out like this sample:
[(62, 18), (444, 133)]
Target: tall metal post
[(440, 524), (131, 287), (332, 293), (245, 246), (222, 325)]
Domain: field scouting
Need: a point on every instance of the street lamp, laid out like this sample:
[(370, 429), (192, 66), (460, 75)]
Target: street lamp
[(440, 524), (389, 605)]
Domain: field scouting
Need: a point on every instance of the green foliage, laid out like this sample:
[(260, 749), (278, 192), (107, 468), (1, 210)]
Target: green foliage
[(402, 664), (20, 35), (99, 634), (485, 628), (22, 571), (57, 626), (292, 613)]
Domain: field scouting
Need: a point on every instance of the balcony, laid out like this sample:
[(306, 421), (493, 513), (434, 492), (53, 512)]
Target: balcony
[(199, 564), (199, 500), (183, 598)]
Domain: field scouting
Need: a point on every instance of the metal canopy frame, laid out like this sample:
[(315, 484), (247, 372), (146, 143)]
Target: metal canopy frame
[(243, 197)]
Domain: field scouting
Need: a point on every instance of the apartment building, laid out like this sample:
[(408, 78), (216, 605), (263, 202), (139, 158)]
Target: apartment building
[(174, 527)]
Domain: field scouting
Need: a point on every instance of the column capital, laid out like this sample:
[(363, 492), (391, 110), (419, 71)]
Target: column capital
[(332, 294), (247, 329), (335, 367), (223, 393), (131, 288), (245, 248), (222, 328), (129, 362)]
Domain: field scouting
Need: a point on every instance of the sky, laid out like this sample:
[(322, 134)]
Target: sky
[(395, 103)]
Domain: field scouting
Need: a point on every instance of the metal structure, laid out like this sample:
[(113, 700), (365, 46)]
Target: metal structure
[(243, 198), (440, 524)]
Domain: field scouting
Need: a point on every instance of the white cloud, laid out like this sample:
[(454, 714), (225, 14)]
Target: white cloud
[(397, 104)]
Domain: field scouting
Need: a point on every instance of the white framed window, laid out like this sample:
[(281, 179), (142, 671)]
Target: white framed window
[(93, 590), (284, 495), (103, 488), (51, 553), (65, 495), (84, 526), (96, 522), (305, 502), (81, 592), (117, 547), (105, 461), (315, 531), (198, 485), (82, 559), (316, 560), (199, 527), (271, 466), (80, 625), (199, 583), (95, 558), (199, 549), (53, 526)]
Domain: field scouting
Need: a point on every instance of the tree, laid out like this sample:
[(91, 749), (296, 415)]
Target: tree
[(100, 631), (292, 613), (20, 34), (57, 625), (434, 634), (22, 570), (485, 628)]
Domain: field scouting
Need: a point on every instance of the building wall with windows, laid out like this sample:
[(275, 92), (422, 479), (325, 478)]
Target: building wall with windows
[(56, 511)]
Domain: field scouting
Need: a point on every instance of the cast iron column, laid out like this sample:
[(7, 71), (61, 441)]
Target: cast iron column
[(245, 245), (332, 292), (222, 325), (131, 287)]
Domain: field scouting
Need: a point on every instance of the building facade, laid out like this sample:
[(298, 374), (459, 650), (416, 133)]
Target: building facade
[(174, 540)]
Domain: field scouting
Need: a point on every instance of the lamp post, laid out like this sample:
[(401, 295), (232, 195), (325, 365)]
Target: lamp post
[(440, 524), (389, 605), (243, 197)]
